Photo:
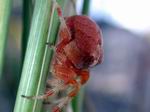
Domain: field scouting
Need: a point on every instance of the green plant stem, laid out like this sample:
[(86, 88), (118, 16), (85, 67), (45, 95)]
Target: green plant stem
[(5, 8), (85, 8), (77, 102), (38, 56), (27, 15), (33, 58)]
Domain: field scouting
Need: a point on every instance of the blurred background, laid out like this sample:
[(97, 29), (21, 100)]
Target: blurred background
[(122, 82)]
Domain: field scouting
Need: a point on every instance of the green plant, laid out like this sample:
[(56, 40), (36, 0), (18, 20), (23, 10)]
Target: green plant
[(27, 16), (37, 57), (5, 9)]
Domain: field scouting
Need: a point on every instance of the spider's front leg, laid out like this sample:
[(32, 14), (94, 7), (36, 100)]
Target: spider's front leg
[(84, 76), (64, 32)]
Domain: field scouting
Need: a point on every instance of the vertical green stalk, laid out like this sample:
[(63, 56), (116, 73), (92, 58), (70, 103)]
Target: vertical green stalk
[(77, 102), (27, 15), (33, 58), (85, 8), (5, 8), (38, 56)]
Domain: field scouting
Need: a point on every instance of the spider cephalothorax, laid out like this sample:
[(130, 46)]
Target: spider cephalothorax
[(79, 47)]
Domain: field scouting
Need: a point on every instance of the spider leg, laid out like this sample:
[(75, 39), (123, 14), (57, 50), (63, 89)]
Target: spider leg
[(84, 76), (44, 96), (64, 34), (62, 75), (64, 101), (57, 86), (76, 87), (64, 29), (67, 75)]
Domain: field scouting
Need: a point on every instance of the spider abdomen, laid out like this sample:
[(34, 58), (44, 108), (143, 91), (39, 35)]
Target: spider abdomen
[(84, 49)]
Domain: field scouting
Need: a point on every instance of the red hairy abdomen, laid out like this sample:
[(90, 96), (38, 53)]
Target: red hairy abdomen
[(87, 38), (85, 32)]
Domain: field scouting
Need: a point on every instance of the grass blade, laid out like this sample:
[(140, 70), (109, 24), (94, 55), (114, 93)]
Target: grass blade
[(37, 58), (77, 102), (34, 57), (5, 8), (85, 8), (27, 16)]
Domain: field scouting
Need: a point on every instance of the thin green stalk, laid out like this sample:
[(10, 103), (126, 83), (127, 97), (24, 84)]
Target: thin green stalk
[(77, 103), (5, 8), (85, 8), (37, 58), (33, 58), (27, 15)]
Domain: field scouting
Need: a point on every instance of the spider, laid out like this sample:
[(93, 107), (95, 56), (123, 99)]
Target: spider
[(78, 49)]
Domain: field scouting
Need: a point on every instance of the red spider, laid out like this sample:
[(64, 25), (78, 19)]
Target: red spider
[(79, 48)]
